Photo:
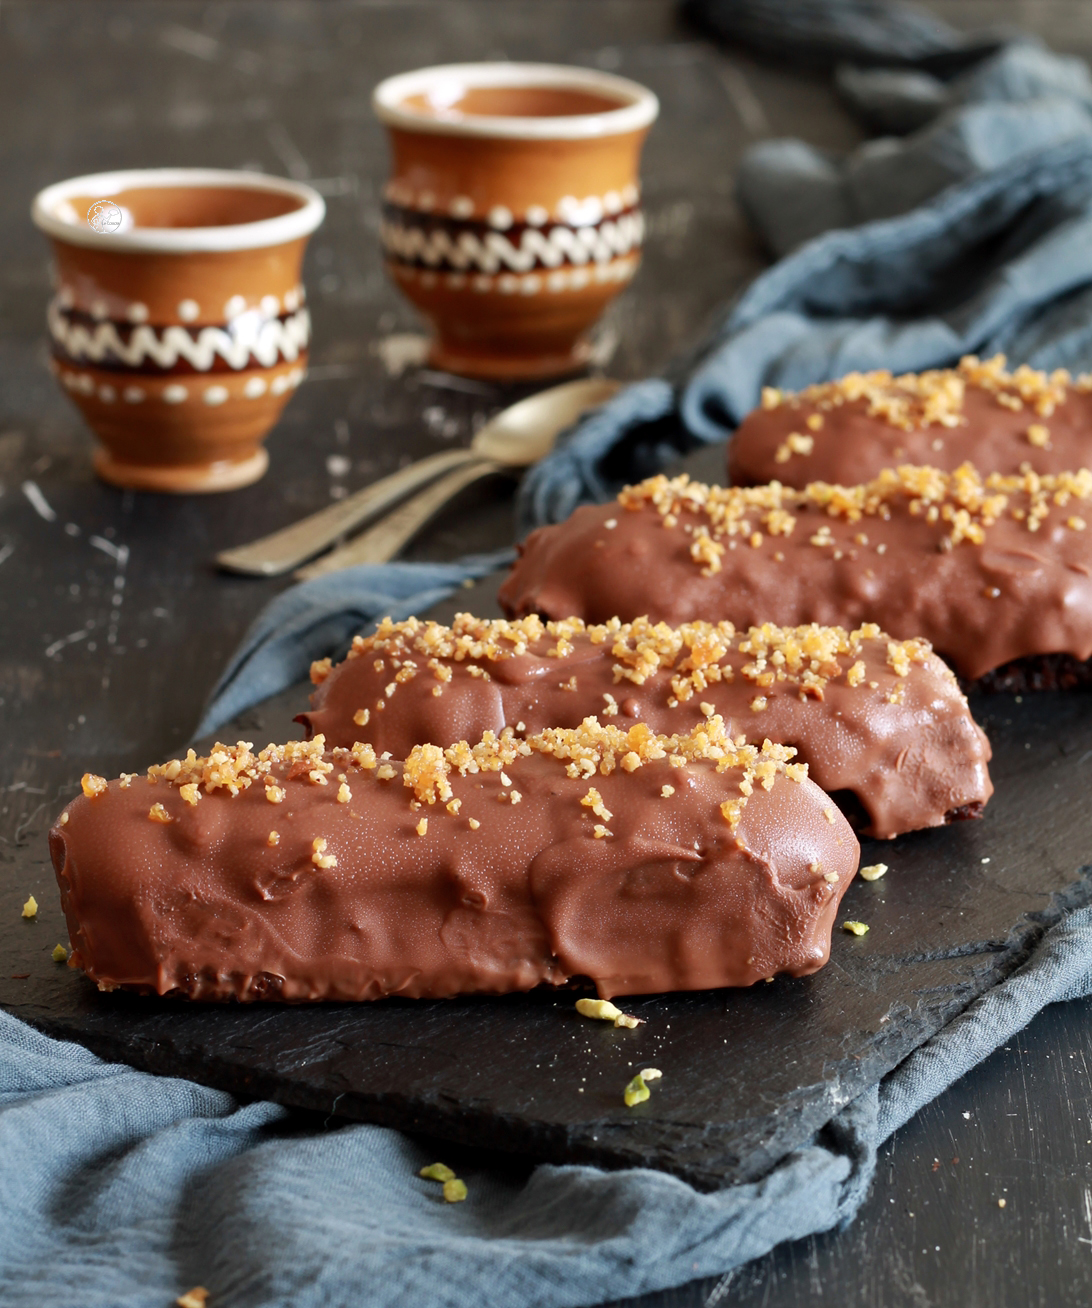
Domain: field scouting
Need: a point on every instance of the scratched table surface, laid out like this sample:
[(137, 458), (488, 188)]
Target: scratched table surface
[(115, 624)]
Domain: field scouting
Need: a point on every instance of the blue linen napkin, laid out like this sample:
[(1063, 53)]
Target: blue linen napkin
[(133, 1188), (124, 1190)]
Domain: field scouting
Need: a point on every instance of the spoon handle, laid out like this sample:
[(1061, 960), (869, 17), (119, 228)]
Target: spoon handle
[(283, 550), (382, 542)]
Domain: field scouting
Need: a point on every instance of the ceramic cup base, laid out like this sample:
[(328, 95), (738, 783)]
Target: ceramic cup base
[(174, 479), (495, 366)]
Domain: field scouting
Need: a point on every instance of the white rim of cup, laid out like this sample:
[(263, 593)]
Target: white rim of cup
[(638, 108), (75, 230)]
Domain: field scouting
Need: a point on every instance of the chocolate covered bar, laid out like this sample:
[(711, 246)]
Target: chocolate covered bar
[(646, 863), (882, 719), (846, 431), (987, 569)]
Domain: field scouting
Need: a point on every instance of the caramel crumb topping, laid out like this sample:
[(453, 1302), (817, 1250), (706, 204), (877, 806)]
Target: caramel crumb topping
[(273, 839), (422, 826), (934, 398), (319, 856), (874, 871), (157, 813), (855, 928), (473, 823), (190, 793), (92, 785), (63, 819), (320, 670), (1039, 436), (594, 800), (361, 717), (600, 831), (963, 500), (344, 794), (828, 813), (794, 443), (667, 791)]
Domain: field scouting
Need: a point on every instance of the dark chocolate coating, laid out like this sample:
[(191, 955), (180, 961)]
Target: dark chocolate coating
[(853, 444), (1018, 593), (673, 899), (915, 762)]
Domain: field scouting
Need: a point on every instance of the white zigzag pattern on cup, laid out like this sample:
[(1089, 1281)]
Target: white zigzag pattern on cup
[(493, 251), (267, 340)]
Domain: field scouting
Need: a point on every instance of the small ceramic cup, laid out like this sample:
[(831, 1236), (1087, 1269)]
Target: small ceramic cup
[(512, 214), (179, 325)]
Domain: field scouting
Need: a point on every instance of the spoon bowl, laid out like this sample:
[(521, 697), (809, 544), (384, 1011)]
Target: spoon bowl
[(515, 438)]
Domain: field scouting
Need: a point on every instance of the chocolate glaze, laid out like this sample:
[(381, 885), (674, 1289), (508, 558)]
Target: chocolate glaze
[(913, 759), (981, 602), (861, 433), (674, 898)]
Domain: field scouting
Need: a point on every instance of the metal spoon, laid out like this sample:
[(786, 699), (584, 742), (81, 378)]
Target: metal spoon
[(516, 437)]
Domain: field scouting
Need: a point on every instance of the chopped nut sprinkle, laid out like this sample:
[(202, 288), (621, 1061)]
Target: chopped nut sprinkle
[(422, 826), (473, 823), (828, 813), (600, 831), (30, 908), (601, 1009), (344, 794), (273, 839), (873, 872), (667, 791), (63, 819), (60, 954), (437, 1172), (361, 717), (92, 785), (319, 856), (855, 928), (190, 793), (320, 670), (966, 502), (916, 400), (157, 813)]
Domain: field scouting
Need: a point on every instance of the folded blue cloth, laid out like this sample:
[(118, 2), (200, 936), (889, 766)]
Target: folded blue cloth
[(133, 1188), (123, 1190)]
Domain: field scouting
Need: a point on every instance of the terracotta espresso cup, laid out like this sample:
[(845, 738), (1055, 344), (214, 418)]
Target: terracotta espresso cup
[(179, 326), (512, 214)]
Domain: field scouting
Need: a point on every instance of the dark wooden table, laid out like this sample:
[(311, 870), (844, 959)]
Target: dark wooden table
[(97, 673)]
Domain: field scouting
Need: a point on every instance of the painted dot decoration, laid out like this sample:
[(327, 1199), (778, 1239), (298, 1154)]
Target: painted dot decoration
[(175, 394), (188, 311), (215, 395)]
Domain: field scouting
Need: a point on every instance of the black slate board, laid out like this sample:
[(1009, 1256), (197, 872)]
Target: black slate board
[(748, 1075)]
